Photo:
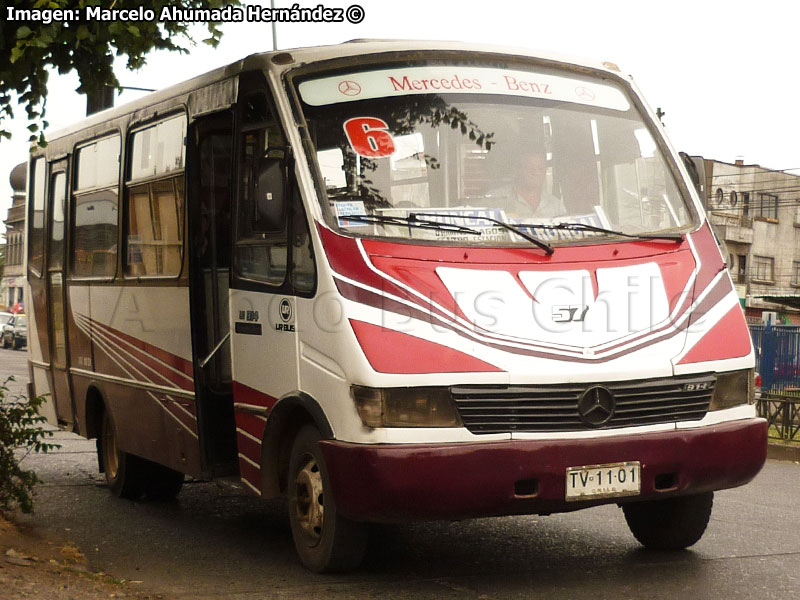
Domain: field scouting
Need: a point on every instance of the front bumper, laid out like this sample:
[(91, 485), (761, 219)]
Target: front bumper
[(459, 480)]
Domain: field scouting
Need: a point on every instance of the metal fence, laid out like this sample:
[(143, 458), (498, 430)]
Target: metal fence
[(778, 363)]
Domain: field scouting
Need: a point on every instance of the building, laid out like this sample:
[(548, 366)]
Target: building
[(12, 285), (755, 213)]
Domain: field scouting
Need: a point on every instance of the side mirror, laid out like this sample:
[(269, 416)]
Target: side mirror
[(694, 173), (269, 204)]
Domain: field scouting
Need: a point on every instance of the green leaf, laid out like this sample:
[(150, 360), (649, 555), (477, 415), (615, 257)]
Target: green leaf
[(23, 32), (16, 53), (82, 33)]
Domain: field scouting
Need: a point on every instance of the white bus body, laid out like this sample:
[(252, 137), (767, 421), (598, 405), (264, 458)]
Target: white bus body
[(393, 281)]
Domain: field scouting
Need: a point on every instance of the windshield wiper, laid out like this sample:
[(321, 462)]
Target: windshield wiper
[(674, 237), (409, 221), (537, 242)]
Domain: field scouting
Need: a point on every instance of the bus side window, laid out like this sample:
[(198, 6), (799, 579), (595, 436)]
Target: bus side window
[(36, 229), (155, 200), (260, 255), (95, 210), (58, 194)]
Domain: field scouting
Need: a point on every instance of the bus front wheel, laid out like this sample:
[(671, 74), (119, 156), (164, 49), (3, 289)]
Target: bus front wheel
[(325, 541), (671, 524)]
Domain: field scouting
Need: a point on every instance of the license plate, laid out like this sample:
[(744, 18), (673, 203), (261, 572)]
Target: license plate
[(604, 481)]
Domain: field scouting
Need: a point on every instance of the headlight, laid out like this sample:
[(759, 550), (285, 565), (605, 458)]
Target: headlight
[(732, 389), (405, 407)]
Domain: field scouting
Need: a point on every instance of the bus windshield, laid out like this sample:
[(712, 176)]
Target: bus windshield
[(451, 144)]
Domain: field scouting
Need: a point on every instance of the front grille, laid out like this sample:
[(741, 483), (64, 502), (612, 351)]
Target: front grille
[(532, 408)]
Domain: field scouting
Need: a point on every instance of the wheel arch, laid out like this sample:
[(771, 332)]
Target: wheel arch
[(291, 413), (95, 406)]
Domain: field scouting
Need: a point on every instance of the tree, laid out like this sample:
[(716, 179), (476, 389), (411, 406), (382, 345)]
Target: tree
[(33, 40)]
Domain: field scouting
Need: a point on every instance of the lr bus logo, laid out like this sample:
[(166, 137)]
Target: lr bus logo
[(286, 310)]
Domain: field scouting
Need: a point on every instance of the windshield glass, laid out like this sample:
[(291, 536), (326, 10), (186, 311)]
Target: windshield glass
[(454, 143)]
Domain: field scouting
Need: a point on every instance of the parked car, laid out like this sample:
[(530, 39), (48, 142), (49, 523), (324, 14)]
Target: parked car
[(15, 332), (6, 321)]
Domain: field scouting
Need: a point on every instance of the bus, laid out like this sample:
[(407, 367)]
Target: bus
[(393, 281)]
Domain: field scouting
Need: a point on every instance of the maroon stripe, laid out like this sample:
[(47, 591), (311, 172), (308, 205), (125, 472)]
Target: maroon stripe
[(133, 357), (190, 422), (248, 447), (250, 423), (248, 395), (167, 376), (346, 260), (721, 288), (708, 256), (250, 474), (369, 298), (174, 361)]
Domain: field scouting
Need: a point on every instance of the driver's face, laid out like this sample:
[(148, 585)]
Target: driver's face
[(532, 170)]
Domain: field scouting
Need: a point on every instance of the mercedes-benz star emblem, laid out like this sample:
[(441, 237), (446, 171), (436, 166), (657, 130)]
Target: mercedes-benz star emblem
[(596, 406), (349, 88), (584, 93)]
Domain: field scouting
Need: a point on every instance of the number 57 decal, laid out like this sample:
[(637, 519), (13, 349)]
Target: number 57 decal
[(369, 137), (566, 314)]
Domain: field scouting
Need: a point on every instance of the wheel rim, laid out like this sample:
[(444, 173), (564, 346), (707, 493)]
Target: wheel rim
[(110, 455), (309, 501)]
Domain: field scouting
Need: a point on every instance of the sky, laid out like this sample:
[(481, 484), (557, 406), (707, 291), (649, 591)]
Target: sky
[(725, 73)]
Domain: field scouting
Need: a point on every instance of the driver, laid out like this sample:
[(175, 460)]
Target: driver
[(527, 195)]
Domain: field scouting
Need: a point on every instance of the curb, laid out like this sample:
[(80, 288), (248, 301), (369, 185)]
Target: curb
[(783, 452)]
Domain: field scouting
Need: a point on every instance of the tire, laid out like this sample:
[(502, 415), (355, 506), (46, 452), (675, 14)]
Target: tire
[(124, 472), (161, 483), (16, 344), (6, 343), (672, 524), (325, 541), (132, 477)]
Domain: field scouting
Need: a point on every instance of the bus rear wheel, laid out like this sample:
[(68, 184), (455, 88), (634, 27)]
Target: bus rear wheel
[(132, 477), (672, 524), (325, 541), (161, 483), (123, 471)]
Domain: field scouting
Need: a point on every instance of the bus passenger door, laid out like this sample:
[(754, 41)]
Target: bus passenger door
[(210, 164), (56, 292)]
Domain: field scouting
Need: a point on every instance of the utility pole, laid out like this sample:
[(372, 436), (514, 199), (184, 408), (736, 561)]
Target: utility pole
[(274, 34)]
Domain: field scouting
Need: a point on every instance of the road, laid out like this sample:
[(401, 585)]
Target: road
[(211, 543)]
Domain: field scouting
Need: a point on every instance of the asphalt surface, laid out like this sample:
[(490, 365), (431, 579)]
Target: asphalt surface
[(212, 543)]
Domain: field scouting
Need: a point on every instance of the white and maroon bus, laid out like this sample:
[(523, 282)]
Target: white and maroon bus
[(393, 281)]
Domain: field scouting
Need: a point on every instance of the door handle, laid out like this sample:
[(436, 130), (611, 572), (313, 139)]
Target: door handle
[(204, 362)]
